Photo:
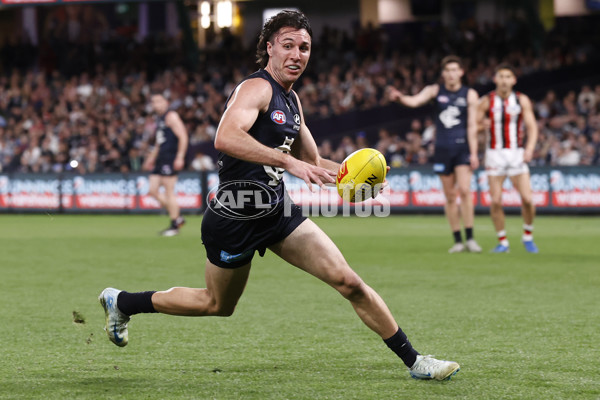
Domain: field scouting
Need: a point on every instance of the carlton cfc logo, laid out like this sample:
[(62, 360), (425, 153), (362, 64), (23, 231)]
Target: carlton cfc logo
[(278, 117)]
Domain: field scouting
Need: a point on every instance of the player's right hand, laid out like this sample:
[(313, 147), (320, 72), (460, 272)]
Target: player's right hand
[(310, 173), (148, 165), (393, 94)]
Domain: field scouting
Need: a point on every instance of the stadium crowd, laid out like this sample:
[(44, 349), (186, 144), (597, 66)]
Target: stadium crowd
[(54, 111)]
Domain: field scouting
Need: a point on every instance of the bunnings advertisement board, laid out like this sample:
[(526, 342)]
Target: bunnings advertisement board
[(555, 190)]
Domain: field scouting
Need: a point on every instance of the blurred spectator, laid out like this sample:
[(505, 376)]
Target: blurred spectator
[(95, 110)]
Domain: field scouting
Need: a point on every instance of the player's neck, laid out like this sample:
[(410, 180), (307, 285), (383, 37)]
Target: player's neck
[(286, 86), (503, 94), (453, 87)]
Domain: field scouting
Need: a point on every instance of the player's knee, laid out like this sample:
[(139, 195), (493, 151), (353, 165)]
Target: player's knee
[(464, 193), (496, 202), (153, 192), (451, 198), (527, 201), (351, 286)]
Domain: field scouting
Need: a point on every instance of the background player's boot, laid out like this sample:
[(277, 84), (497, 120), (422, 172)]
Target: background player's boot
[(457, 248), (116, 321), (530, 246), (427, 367), (472, 246), (501, 249), (179, 222), (170, 231)]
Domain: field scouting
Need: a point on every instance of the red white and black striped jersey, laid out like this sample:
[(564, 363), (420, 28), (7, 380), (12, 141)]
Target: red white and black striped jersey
[(506, 119)]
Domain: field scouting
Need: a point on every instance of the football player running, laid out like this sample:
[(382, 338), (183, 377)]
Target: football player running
[(262, 133)]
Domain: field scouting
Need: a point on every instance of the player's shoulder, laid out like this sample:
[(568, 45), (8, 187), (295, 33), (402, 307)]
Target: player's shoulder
[(171, 115), (523, 98), (255, 91), (472, 94)]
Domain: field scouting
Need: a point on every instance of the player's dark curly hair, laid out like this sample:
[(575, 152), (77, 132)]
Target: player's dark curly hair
[(294, 19)]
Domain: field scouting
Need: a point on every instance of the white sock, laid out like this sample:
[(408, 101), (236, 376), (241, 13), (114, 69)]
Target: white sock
[(502, 238), (527, 233)]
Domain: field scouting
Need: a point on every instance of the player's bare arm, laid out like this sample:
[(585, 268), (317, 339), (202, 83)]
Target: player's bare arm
[(530, 126), (232, 137), (420, 99), (482, 109), (472, 104), (151, 158), (174, 122)]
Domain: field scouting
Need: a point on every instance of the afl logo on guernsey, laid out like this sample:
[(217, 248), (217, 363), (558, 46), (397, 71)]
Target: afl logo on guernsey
[(278, 117)]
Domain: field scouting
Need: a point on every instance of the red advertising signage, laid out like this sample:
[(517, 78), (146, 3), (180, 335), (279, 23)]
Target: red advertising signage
[(510, 196), (576, 188)]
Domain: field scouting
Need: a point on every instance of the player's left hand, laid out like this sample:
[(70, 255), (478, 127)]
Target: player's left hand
[(527, 155)]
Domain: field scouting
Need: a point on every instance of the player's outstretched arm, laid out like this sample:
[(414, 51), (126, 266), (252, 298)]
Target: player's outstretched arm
[(420, 99)]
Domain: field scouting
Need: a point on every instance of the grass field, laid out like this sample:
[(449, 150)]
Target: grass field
[(522, 326)]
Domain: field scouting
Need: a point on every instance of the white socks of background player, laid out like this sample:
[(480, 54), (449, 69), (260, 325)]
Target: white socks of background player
[(502, 238), (527, 233)]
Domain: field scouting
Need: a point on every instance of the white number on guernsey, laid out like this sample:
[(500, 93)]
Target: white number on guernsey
[(276, 174)]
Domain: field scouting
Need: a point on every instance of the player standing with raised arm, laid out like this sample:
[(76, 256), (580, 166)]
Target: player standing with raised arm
[(261, 134), (455, 155), (166, 159), (506, 155)]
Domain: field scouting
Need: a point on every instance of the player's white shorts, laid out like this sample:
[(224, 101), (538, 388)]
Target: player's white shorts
[(505, 162)]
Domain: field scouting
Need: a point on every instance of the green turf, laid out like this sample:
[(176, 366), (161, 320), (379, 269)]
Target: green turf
[(522, 326)]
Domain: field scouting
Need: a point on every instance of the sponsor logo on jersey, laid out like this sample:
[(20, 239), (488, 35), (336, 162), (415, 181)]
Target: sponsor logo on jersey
[(443, 98), (297, 119), (278, 117)]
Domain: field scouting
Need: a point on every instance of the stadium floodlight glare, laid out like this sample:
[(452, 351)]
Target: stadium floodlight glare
[(205, 8), (204, 14), (205, 21), (224, 14)]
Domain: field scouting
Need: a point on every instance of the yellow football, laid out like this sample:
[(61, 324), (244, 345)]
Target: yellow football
[(359, 173)]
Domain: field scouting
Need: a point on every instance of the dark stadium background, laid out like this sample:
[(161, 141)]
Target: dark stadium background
[(74, 78)]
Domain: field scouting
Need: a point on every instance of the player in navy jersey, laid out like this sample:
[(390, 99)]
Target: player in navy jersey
[(507, 154), (261, 134), (166, 159), (455, 156)]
